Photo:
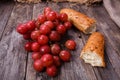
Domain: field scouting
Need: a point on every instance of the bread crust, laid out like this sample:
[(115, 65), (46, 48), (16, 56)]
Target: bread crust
[(95, 44), (80, 21)]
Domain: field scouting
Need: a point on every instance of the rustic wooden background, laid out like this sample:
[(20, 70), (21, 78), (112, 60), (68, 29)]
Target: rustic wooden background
[(16, 63)]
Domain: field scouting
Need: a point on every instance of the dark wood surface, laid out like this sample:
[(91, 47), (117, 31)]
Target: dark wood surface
[(16, 63)]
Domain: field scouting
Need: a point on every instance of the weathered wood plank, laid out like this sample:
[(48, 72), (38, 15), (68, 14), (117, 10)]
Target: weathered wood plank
[(112, 38), (110, 54), (5, 11), (12, 54), (111, 32), (112, 8)]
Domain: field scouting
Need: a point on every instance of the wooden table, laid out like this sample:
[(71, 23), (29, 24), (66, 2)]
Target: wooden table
[(16, 63)]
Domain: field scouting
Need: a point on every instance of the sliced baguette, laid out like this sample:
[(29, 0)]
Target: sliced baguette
[(80, 21), (93, 52)]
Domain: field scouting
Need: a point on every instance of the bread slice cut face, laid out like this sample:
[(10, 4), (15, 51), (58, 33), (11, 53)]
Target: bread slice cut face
[(92, 58)]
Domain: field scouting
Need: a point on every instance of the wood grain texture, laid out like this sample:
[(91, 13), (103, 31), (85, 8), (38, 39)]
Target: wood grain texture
[(5, 11), (12, 54), (111, 6), (112, 38), (16, 64)]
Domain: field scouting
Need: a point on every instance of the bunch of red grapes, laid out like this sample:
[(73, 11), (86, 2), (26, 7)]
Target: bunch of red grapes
[(44, 35)]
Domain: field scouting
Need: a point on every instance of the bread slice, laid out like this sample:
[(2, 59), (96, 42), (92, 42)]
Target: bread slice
[(93, 52), (80, 21)]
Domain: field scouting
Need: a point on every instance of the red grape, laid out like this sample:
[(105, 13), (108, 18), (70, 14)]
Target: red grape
[(51, 71), (28, 46), (22, 29), (54, 36), (57, 61), (47, 13), (63, 17), (43, 39), (36, 55), (55, 49), (51, 16), (35, 46), (70, 44), (65, 55), (41, 19), (47, 60), (68, 25), (35, 34), (31, 25), (58, 16), (61, 29), (38, 65), (26, 36), (45, 49), (37, 24), (44, 29), (50, 24), (47, 9), (56, 22)]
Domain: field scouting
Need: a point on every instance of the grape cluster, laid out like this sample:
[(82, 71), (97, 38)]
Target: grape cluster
[(44, 35)]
